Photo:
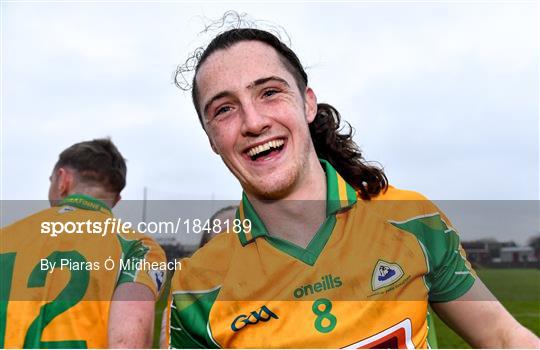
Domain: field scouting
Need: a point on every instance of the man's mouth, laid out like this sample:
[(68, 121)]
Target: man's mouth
[(266, 149)]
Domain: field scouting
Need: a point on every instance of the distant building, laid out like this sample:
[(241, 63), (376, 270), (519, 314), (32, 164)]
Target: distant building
[(477, 252), (517, 254), (489, 253), (486, 250)]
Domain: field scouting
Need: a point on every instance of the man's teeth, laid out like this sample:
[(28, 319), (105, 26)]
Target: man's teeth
[(265, 147)]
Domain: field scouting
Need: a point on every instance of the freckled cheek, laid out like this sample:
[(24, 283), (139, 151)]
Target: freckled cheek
[(285, 105), (290, 117), (223, 139)]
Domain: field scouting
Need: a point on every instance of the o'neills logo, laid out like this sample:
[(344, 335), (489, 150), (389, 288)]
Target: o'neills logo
[(327, 282)]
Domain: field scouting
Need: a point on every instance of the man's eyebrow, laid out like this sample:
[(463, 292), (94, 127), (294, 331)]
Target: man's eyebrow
[(250, 86), (216, 97), (267, 79)]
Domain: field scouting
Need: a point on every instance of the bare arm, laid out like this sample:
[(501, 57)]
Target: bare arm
[(483, 322), (131, 317), (163, 336)]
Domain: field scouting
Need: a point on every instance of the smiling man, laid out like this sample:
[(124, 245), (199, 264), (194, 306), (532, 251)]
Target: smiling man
[(333, 256)]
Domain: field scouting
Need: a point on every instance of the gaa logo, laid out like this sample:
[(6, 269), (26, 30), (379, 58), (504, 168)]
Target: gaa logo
[(264, 314)]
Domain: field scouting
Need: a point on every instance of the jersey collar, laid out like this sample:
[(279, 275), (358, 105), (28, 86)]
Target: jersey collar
[(87, 202), (339, 197)]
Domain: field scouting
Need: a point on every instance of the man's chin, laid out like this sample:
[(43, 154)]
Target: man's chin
[(270, 191)]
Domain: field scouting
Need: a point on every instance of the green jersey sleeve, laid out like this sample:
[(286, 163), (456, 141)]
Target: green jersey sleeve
[(449, 273), (142, 261), (189, 315)]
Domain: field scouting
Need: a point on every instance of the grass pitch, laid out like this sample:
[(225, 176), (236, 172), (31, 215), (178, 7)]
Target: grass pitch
[(517, 289)]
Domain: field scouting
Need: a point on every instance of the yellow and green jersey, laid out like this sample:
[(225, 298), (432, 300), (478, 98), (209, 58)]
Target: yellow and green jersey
[(364, 281), (67, 306)]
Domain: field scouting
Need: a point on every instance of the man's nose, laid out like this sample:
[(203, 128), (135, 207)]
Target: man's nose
[(254, 122)]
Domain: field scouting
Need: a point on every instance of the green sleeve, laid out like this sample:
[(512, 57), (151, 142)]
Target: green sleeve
[(189, 320), (132, 251), (450, 275)]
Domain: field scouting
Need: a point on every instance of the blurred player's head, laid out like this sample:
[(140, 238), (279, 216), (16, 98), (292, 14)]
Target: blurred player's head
[(219, 220), (92, 167), (252, 97)]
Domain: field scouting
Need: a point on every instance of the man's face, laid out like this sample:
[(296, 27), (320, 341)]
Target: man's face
[(256, 118)]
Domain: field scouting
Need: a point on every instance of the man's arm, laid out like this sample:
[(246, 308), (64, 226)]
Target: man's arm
[(163, 341), (483, 322), (131, 317)]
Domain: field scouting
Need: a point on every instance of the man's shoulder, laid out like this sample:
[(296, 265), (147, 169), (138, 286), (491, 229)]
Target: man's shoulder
[(393, 193), (135, 236), (208, 266), (60, 213), (32, 220), (397, 204), (214, 254)]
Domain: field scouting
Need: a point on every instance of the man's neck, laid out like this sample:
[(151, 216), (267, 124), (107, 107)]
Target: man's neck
[(297, 217), (96, 194)]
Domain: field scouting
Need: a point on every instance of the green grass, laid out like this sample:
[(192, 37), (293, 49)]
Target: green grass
[(517, 289)]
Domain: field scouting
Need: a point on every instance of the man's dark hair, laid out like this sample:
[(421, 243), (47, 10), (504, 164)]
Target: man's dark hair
[(97, 161), (329, 138)]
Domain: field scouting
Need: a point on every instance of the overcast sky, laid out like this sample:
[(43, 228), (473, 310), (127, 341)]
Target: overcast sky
[(443, 95)]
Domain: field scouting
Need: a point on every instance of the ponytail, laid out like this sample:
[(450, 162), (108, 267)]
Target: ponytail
[(336, 146)]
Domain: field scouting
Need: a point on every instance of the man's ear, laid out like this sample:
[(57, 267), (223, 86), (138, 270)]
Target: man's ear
[(65, 181), (310, 105)]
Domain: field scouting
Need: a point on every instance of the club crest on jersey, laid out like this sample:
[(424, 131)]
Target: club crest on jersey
[(385, 274)]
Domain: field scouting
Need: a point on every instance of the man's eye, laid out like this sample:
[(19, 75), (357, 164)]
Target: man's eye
[(270, 92), (222, 110)]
